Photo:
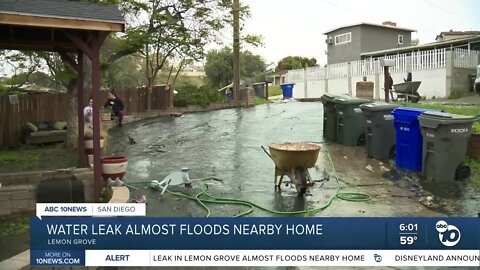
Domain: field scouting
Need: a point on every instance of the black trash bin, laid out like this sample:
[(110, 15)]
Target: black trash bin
[(330, 117), (445, 139), (350, 120), (379, 129), (60, 191)]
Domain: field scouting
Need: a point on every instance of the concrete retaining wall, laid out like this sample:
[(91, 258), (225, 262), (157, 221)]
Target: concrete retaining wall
[(18, 190)]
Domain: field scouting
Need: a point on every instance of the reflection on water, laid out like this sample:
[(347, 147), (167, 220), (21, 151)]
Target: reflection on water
[(455, 198), (227, 144)]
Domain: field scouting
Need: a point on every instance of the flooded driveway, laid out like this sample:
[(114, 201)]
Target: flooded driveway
[(226, 144)]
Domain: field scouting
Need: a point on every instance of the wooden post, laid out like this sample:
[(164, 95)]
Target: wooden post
[(97, 169), (236, 51), (385, 83), (266, 90), (81, 120)]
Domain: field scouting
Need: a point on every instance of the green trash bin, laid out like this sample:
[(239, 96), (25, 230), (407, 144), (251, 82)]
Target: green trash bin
[(259, 89), (445, 139), (379, 129), (350, 120), (330, 117)]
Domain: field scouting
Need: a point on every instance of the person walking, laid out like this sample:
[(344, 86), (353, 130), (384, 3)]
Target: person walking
[(388, 88)]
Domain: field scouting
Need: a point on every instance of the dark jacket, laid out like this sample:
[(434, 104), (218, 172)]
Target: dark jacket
[(116, 105), (389, 82)]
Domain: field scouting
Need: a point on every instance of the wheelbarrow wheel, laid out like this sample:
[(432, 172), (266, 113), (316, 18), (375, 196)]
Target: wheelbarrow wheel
[(415, 97), (302, 186), (301, 190)]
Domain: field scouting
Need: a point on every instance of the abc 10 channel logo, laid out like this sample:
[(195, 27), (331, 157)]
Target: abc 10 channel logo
[(449, 235)]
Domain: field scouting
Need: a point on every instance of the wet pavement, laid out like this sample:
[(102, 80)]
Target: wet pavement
[(226, 144)]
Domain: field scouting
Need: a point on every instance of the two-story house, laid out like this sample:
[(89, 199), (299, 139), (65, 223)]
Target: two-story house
[(346, 43)]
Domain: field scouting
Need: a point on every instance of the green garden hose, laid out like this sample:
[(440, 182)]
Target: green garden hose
[(346, 196)]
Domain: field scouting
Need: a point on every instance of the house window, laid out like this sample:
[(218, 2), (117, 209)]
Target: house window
[(343, 38), (400, 39)]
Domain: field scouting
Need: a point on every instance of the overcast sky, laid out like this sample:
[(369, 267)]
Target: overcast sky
[(296, 27)]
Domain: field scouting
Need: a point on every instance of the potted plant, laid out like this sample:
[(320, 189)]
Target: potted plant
[(106, 114), (114, 167), (88, 139)]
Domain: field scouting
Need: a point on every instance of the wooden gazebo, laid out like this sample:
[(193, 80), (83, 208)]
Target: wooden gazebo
[(72, 29)]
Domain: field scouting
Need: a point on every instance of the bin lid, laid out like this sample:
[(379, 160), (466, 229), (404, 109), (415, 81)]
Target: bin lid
[(350, 100), (378, 106), (433, 119), (330, 97), (409, 114), (260, 83), (287, 84), (411, 111)]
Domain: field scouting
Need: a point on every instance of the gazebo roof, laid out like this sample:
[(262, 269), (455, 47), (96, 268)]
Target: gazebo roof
[(61, 14), (73, 29)]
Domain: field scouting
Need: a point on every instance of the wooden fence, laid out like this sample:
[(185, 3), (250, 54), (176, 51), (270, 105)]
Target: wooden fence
[(48, 107)]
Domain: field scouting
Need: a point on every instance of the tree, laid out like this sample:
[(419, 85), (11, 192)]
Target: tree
[(219, 67), (21, 64), (295, 62), (158, 31), (175, 29), (415, 42)]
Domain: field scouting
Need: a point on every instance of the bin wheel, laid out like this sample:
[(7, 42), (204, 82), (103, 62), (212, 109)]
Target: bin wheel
[(361, 140), (301, 190), (415, 97), (392, 153), (462, 172)]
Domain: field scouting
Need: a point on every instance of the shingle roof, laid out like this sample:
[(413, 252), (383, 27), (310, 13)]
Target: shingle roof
[(370, 24), (62, 9), (439, 44)]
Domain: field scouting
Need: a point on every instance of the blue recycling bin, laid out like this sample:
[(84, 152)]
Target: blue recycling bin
[(409, 141), (287, 90), (229, 96)]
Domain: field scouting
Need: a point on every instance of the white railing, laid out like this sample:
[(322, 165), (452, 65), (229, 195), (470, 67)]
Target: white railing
[(432, 59), (363, 67), (315, 73), (296, 75), (430, 67), (463, 58), (339, 70)]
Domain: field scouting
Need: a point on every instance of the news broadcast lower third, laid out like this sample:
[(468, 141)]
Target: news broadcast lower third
[(89, 234)]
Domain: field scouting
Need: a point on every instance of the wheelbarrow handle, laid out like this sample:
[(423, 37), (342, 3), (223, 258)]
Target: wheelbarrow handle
[(266, 152)]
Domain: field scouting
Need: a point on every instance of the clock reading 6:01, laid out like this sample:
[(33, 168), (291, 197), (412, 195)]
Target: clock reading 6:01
[(408, 227)]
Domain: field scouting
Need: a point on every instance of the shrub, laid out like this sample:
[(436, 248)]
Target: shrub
[(201, 96), (455, 94)]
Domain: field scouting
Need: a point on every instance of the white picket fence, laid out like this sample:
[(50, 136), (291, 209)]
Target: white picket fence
[(463, 58), (430, 67)]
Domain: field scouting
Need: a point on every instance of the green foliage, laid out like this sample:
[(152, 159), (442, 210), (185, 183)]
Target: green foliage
[(219, 67), (260, 101), (474, 165), (9, 226), (201, 96), (32, 158), (456, 94), (274, 90), (106, 195), (295, 62), (462, 110)]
